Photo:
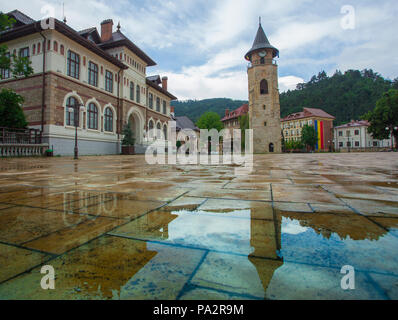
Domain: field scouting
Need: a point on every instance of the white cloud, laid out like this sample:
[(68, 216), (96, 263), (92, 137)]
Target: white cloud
[(213, 36)]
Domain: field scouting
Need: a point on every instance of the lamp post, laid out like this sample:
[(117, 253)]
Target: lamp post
[(76, 109), (392, 129)]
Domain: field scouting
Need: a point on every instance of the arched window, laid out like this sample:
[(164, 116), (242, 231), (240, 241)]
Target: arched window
[(48, 45), (61, 49), (158, 130), (38, 48), (165, 132), (70, 116), (271, 147), (138, 92), (150, 128), (92, 111), (55, 46), (34, 49), (263, 87), (108, 119), (131, 90)]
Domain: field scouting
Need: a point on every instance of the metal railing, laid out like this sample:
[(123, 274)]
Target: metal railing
[(20, 136), (260, 63)]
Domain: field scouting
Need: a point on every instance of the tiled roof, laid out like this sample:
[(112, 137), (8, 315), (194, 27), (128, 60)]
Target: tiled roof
[(156, 79), (118, 39), (353, 123), (307, 113), (21, 17), (154, 85), (185, 123), (242, 110)]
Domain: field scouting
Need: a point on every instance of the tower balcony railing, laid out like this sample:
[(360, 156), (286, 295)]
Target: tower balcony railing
[(261, 63)]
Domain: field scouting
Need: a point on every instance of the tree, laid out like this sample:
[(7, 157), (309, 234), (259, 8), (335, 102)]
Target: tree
[(308, 136), (128, 139), (210, 120), (385, 115), (11, 113), (18, 66)]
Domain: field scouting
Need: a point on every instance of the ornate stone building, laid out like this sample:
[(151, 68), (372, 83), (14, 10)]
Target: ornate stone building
[(264, 107), (293, 124), (104, 74)]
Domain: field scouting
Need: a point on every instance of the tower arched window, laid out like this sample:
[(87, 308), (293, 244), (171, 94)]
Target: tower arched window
[(263, 87)]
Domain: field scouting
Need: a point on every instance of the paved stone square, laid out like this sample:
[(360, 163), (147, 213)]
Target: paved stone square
[(116, 227)]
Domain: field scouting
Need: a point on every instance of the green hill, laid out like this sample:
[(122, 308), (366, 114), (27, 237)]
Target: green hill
[(346, 95), (195, 108)]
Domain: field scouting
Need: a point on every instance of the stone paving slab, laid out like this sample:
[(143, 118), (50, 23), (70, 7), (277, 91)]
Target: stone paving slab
[(114, 227), (14, 261)]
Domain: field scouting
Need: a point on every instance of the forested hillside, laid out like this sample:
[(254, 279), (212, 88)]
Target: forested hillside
[(195, 108), (346, 95)]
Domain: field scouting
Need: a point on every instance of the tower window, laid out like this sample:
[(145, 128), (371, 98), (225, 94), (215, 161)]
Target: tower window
[(265, 124), (263, 87), (264, 107)]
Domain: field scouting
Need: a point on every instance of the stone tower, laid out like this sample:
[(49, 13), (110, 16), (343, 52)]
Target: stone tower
[(264, 107)]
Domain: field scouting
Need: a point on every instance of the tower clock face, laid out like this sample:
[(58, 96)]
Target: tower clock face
[(262, 54)]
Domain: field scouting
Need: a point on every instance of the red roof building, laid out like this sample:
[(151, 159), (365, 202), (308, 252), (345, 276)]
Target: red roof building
[(231, 119), (322, 122)]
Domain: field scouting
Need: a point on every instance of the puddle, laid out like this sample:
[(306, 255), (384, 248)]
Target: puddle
[(242, 253), (283, 232)]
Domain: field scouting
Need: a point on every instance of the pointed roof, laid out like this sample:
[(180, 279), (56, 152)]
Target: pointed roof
[(261, 42)]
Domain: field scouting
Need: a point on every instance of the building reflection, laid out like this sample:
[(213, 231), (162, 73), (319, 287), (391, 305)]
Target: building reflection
[(236, 231), (346, 226)]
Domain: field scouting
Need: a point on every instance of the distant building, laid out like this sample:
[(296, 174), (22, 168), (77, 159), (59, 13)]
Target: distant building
[(355, 135), (103, 72), (231, 119), (293, 124)]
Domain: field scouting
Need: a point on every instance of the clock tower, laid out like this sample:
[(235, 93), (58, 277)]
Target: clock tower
[(264, 107)]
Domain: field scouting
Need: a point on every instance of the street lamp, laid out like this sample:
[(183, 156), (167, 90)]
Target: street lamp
[(76, 109)]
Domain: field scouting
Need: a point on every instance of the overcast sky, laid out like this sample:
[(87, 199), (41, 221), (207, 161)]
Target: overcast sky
[(200, 45)]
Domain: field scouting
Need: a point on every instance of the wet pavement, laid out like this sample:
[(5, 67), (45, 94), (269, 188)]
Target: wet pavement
[(114, 227)]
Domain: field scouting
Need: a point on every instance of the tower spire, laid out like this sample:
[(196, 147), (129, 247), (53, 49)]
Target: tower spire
[(259, 21)]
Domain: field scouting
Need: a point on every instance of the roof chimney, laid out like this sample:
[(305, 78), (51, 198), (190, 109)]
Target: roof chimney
[(164, 83), (226, 112), (106, 30)]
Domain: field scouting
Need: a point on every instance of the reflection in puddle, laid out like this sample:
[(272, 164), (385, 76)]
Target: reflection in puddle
[(242, 250)]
